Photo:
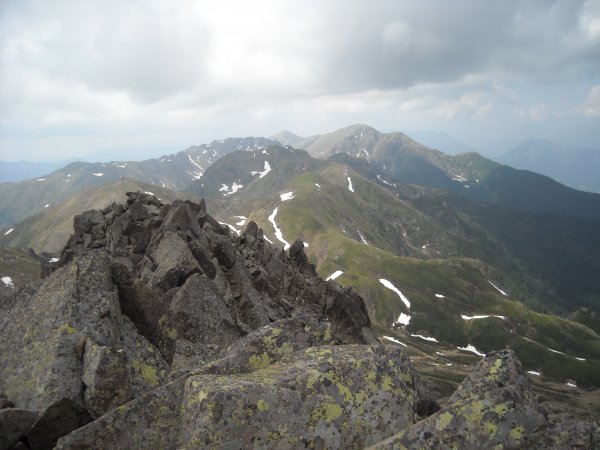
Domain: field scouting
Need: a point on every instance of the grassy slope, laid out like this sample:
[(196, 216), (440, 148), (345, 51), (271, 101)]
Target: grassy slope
[(314, 216)]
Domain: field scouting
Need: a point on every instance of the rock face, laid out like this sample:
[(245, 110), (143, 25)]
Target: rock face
[(159, 329), (494, 408)]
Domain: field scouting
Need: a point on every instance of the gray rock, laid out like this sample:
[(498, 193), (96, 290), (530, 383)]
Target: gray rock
[(58, 420), (38, 363), (225, 252), (323, 397), (106, 378), (493, 408), (13, 425)]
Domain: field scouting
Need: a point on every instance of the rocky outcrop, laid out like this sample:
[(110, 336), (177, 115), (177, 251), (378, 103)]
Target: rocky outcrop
[(320, 397), (494, 408), (145, 293)]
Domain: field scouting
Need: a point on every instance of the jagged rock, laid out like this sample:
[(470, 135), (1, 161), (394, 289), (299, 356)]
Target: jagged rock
[(493, 407), (38, 365), (332, 396), (571, 435), (14, 423), (59, 419), (225, 252), (296, 249), (198, 315)]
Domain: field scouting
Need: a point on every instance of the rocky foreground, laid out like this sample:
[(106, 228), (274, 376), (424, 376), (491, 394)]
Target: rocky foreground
[(159, 329)]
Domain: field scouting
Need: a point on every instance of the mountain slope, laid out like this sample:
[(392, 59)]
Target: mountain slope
[(175, 172), (364, 232), (400, 158), (575, 167)]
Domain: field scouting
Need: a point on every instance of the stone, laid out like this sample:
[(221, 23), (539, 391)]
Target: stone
[(14, 423), (225, 252), (323, 397), (58, 420), (106, 379), (494, 406)]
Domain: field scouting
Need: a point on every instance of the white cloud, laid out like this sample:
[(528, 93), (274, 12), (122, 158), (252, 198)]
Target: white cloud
[(591, 106)]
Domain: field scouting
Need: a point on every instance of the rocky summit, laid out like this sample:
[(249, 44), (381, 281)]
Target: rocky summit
[(160, 328)]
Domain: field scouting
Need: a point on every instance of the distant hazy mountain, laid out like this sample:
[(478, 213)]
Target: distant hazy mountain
[(575, 167), (399, 157), (23, 170), (286, 137), (440, 141), (23, 199)]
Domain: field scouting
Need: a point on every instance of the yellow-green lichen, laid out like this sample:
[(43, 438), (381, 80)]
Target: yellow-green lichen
[(517, 433), (262, 405), (443, 421), (327, 411), (259, 361), (147, 372), (490, 428), (501, 409)]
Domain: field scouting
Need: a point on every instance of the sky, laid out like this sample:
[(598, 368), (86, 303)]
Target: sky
[(102, 80)]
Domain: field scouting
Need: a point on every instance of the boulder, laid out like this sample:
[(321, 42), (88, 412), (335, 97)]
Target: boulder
[(14, 423), (493, 408), (58, 420), (324, 397)]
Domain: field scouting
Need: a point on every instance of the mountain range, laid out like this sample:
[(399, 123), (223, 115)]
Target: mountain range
[(447, 251)]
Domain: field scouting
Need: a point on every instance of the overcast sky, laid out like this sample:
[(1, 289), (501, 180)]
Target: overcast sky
[(128, 79)]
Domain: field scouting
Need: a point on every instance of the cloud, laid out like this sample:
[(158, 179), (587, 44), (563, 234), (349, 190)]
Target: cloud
[(229, 67), (591, 106)]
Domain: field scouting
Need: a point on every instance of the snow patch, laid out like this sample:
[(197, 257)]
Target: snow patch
[(555, 351), (230, 190), (121, 166), (151, 193), (8, 281), (46, 205), (242, 220), (334, 275), (362, 238), (533, 372), (480, 317), (350, 188), (286, 196), (498, 289), (440, 296), (53, 260), (41, 179), (573, 385), (396, 341), (266, 171), (580, 359), (403, 319), (9, 231), (232, 228), (389, 285), (278, 233), (425, 338), (318, 187), (470, 348), (99, 174)]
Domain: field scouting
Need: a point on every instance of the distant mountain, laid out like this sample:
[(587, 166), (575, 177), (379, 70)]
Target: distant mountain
[(399, 157), (286, 137), (440, 141), (575, 167), (449, 256), (21, 200), (24, 170)]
